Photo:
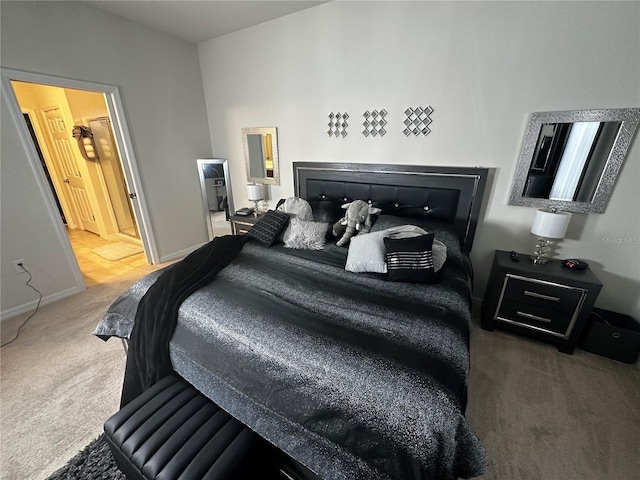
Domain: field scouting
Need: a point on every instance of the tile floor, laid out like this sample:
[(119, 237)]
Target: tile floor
[(96, 269)]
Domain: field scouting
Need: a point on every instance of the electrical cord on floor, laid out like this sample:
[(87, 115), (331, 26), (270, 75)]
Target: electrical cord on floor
[(34, 312)]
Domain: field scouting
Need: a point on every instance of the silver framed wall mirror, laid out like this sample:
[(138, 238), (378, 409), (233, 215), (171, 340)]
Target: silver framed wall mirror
[(217, 200), (570, 160), (261, 154)]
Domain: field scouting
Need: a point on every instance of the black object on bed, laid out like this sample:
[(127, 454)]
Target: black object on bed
[(353, 376), (148, 357)]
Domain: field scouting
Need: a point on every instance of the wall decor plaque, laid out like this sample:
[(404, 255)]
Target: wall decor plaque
[(338, 124), (374, 123), (417, 121)]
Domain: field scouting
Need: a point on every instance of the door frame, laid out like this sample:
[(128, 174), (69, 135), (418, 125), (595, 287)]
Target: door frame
[(124, 145)]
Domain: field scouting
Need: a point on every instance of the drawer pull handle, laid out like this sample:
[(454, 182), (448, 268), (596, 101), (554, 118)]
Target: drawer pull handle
[(533, 317), (539, 295)]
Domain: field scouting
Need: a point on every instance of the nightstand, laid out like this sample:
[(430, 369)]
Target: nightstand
[(241, 224), (549, 301)]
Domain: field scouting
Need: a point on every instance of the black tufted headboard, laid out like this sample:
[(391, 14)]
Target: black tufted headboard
[(451, 195)]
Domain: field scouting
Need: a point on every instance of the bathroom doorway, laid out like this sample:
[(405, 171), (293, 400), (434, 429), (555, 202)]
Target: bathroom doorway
[(99, 197), (85, 176)]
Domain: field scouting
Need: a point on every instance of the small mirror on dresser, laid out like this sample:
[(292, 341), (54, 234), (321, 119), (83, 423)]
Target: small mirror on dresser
[(215, 187), (570, 160), (261, 155)]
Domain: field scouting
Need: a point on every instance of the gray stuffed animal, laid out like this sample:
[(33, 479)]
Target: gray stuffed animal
[(357, 218)]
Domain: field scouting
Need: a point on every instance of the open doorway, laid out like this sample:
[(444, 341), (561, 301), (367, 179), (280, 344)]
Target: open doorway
[(85, 176), (91, 188)]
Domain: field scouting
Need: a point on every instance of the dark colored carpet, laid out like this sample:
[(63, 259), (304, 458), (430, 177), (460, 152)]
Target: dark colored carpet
[(93, 463)]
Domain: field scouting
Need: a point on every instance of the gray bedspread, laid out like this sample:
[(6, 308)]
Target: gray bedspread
[(354, 376)]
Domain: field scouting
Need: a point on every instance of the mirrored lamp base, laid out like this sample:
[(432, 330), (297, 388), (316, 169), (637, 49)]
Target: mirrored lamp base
[(255, 208), (539, 256)]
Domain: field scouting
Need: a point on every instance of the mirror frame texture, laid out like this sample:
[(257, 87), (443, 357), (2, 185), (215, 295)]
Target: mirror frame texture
[(273, 131), (628, 118), (203, 187)]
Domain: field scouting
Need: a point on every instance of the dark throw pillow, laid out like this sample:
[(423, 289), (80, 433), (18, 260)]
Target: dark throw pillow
[(267, 230), (410, 259)]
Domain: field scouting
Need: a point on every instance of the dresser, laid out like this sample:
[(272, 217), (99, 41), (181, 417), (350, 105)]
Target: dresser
[(549, 302)]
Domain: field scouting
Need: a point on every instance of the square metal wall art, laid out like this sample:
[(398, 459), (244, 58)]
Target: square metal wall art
[(417, 121), (338, 124), (374, 123)]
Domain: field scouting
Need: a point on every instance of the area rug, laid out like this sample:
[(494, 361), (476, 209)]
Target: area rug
[(117, 251), (95, 462)]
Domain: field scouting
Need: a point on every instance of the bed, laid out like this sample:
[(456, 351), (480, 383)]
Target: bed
[(352, 375)]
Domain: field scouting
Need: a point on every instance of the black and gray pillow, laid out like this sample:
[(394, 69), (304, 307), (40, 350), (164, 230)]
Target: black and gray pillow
[(410, 259), (267, 230)]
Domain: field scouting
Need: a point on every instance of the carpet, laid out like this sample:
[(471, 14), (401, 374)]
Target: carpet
[(117, 251), (93, 463)]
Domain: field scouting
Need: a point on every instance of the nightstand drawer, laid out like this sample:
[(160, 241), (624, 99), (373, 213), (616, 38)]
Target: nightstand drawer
[(542, 294), (242, 228), (548, 320)]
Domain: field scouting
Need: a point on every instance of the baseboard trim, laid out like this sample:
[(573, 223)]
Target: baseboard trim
[(14, 311), (181, 254)]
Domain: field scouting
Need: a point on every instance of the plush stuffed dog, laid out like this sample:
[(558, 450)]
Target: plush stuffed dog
[(357, 218)]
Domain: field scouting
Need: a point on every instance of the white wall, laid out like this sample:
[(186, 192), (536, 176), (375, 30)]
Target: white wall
[(483, 67), (161, 87)]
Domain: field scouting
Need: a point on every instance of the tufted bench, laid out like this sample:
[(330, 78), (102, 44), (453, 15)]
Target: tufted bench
[(172, 432)]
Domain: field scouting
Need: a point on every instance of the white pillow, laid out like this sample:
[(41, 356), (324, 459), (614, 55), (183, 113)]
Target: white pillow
[(306, 235), (367, 252)]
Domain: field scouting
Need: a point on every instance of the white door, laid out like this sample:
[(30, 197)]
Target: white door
[(113, 175), (69, 166)]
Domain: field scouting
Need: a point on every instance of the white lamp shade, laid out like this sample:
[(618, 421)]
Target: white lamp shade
[(254, 193), (550, 224)]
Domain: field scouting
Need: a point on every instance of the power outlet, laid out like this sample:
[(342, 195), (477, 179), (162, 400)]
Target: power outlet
[(17, 267)]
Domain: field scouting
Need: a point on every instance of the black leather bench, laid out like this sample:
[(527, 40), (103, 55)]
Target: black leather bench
[(172, 432)]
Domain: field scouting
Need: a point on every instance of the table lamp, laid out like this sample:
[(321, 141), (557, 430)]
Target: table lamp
[(254, 194), (548, 225)]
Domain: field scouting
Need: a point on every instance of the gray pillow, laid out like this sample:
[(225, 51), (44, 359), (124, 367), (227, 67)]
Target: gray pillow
[(296, 208), (304, 235), (367, 252)]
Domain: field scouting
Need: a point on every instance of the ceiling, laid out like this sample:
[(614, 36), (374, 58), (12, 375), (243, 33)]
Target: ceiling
[(197, 21)]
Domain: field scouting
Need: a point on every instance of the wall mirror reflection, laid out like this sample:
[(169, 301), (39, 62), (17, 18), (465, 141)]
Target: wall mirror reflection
[(570, 160), (215, 186), (261, 154)]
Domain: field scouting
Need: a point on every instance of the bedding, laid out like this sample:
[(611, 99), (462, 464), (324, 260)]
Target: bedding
[(148, 358), (354, 376)]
